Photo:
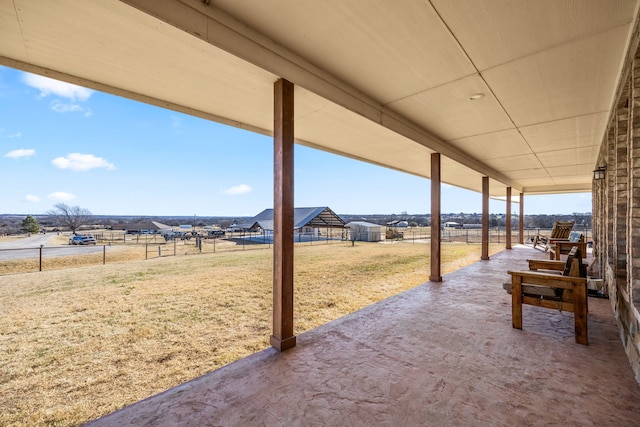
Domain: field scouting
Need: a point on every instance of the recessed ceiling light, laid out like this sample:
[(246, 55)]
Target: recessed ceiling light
[(476, 96)]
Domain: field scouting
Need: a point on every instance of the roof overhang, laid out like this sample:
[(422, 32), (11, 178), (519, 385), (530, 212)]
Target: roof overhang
[(375, 81)]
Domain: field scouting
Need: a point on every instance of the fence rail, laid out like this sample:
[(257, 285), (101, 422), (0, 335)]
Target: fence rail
[(118, 247)]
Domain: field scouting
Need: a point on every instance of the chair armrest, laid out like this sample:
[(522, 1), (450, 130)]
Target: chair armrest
[(567, 244)]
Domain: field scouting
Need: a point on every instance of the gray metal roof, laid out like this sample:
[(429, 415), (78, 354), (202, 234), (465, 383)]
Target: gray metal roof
[(319, 217)]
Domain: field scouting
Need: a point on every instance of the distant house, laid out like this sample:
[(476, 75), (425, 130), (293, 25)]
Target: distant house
[(365, 231), (148, 227), (452, 224), (306, 221), (398, 223)]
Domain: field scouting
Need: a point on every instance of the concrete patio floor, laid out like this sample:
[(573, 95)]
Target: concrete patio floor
[(441, 354)]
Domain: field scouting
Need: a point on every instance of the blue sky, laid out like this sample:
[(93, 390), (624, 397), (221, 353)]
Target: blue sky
[(114, 156)]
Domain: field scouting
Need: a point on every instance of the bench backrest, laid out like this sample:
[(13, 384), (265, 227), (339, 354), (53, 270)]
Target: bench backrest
[(561, 229)]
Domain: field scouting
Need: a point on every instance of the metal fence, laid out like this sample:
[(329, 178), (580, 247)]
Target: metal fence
[(148, 246)]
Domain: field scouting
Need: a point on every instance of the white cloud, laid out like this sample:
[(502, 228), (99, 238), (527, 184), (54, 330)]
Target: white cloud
[(238, 189), (48, 86), (14, 135), (31, 198), (61, 195), (82, 162), (22, 152), (61, 107)]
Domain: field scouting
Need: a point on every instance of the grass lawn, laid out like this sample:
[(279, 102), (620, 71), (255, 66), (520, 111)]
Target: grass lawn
[(78, 343)]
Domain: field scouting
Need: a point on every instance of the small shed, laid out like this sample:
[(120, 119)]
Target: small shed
[(365, 231)]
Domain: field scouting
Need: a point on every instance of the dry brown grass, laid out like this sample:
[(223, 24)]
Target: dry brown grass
[(79, 343)]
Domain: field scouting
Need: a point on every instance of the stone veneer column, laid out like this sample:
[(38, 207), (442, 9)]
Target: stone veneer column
[(617, 205), (621, 194), (633, 171), (610, 211)]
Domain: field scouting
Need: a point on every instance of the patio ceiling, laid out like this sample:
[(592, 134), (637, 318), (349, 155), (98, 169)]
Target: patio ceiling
[(375, 80)]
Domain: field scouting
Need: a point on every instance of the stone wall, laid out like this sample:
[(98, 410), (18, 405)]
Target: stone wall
[(616, 207)]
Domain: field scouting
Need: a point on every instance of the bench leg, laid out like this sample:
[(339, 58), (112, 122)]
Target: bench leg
[(516, 301), (580, 312)]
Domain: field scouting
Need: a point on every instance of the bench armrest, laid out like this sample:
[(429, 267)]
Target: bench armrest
[(548, 279)]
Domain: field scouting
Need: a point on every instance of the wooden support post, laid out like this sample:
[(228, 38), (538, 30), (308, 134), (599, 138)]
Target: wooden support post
[(485, 218), (508, 227), (283, 137), (580, 309), (516, 301), (435, 275), (521, 222)]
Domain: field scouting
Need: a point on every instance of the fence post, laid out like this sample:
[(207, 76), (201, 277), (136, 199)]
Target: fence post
[(41, 257), (146, 251), (104, 254), (174, 246)]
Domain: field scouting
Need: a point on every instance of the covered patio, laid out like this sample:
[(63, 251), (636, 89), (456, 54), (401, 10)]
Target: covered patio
[(439, 354), (505, 99)]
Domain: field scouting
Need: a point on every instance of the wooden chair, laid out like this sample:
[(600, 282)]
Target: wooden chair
[(560, 230), (559, 247), (565, 292)]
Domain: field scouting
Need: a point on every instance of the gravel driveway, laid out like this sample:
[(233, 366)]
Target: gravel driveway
[(29, 247)]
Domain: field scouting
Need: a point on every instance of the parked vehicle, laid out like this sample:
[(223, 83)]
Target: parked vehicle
[(75, 240), (88, 240), (82, 240)]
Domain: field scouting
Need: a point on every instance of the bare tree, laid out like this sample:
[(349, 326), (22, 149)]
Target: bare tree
[(72, 217), (356, 231)]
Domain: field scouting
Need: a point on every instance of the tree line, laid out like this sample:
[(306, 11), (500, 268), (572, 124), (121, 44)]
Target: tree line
[(70, 218), (63, 216)]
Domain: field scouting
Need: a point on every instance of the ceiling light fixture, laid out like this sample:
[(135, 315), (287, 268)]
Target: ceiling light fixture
[(476, 96)]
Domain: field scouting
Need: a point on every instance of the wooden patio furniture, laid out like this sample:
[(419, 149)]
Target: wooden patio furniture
[(562, 286), (559, 247), (560, 230)]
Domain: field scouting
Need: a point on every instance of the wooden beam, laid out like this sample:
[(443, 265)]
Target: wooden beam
[(435, 275), (508, 227), (521, 222), (283, 137), (485, 218)]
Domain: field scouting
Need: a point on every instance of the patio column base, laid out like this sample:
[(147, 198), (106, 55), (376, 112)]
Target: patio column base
[(282, 345), (435, 278)]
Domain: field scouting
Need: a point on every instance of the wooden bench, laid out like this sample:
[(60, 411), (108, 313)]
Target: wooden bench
[(563, 286), (559, 247), (560, 230)]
